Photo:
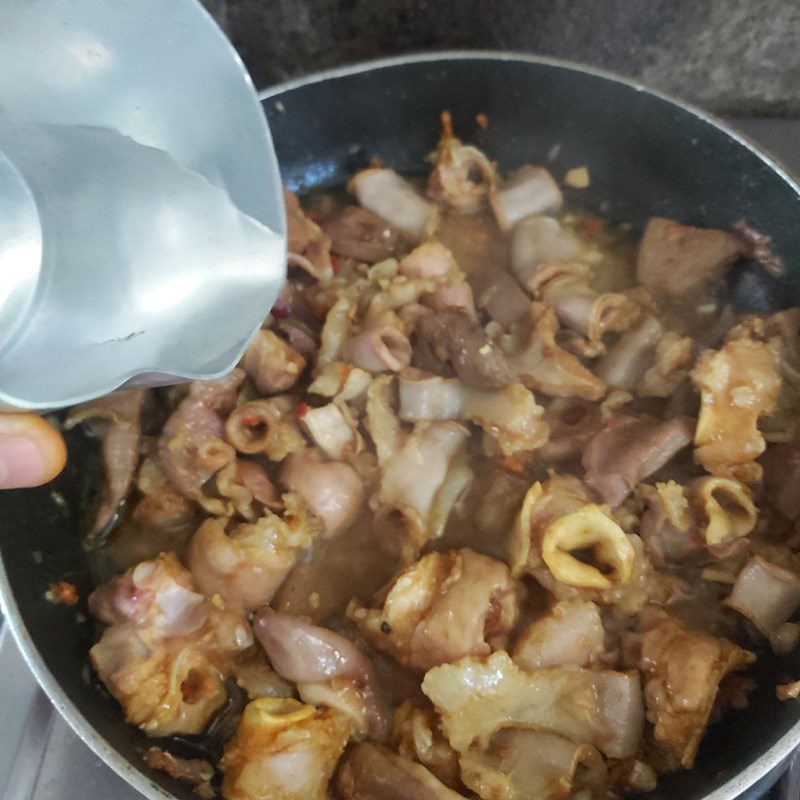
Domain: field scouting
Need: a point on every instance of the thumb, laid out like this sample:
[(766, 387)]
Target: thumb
[(31, 451)]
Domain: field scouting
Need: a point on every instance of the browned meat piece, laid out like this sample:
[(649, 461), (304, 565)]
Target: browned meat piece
[(631, 448), (374, 773), (781, 465), (501, 296), (456, 338), (358, 233), (682, 671), (677, 261)]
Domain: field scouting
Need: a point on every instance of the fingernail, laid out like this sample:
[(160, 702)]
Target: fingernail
[(21, 462)]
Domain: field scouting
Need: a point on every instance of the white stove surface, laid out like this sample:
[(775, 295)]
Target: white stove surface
[(42, 759)]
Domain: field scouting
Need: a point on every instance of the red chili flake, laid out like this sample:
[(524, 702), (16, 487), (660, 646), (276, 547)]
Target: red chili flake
[(513, 464), (336, 263), (482, 120), (591, 225), (251, 420), (302, 410), (62, 593), (447, 124)]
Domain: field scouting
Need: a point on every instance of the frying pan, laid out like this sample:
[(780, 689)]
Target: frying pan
[(647, 154)]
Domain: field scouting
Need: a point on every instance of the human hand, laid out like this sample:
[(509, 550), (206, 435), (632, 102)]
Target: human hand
[(32, 452)]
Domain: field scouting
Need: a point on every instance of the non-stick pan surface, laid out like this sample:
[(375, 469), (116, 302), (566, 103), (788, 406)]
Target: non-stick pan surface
[(646, 155)]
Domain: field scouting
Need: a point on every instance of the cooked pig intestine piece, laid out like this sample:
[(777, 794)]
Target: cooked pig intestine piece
[(416, 735), (535, 764), (682, 671), (542, 365), (327, 668), (167, 651), (272, 363), (739, 384), (673, 358), (538, 240), (332, 429), (371, 772), (500, 295), (283, 748), (588, 528), (381, 346), (306, 242), (544, 503), (626, 361), (391, 197), (668, 530), (511, 415), (477, 697), (423, 477), (583, 309), (248, 488), (572, 423), (307, 653), (454, 295), (629, 449), (192, 447), (462, 176), (121, 412), (678, 261), (358, 233), (529, 190), (442, 608), (332, 490), (571, 632), (724, 508), (247, 566), (430, 260), (265, 426), (765, 593)]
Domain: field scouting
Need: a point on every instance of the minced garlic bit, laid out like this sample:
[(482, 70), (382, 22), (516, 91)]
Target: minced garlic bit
[(577, 178)]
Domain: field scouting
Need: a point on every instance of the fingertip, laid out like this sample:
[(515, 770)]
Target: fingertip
[(32, 452)]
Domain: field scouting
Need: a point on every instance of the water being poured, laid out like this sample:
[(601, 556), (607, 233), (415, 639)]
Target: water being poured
[(125, 267)]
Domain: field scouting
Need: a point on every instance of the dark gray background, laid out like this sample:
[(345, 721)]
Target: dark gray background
[(731, 56)]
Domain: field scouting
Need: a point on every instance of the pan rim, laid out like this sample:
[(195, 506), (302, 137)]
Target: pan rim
[(757, 770), (333, 73)]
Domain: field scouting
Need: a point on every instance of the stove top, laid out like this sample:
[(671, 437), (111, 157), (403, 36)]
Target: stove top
[(42, 759)]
